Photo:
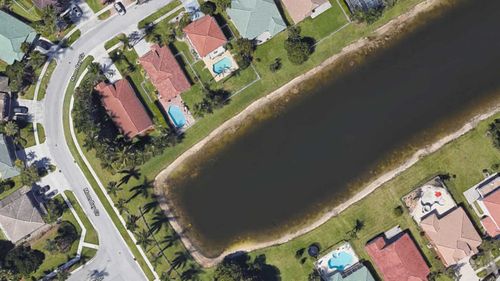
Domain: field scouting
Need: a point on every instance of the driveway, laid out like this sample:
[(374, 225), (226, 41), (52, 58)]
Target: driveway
[(466, 271)]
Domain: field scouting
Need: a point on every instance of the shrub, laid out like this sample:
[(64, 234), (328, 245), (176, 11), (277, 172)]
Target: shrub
[(276, 65), (66, 235), (297, 47), (24, 260), (369, 16), (243, 50), (494, 132), (398, 211), (208, 8)]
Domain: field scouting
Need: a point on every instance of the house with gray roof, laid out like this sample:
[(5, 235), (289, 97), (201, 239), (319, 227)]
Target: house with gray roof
[(256, 19), (7, 167), (13, 33)]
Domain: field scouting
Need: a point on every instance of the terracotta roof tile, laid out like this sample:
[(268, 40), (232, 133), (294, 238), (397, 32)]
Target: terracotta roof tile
[(124, 107), (398, 260), (453, 235), (205, 35), (492, 204), (164, 72)]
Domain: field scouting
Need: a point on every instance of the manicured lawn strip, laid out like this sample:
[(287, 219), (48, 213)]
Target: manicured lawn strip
[(28, 134), (72, 38), (45, 80), (86, 255), (91, 236), (41, 132), (56, 259), (156, 15), (90, 178), (104, 15), (115, 40), (148, 95), (95, 5)]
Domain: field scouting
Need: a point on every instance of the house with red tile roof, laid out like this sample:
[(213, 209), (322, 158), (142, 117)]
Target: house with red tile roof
[(122, 104), (206, 37), (164, 72), (491, 208), (452, 235), (397, 258)]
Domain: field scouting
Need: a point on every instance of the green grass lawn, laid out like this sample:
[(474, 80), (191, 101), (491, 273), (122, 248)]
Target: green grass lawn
[(3, 66), (45, 80), (147, 93), (91, 236), (156, 15), (95, 5), (26, 9), (113, 41), (104, 15), (27, 133), (55, 259), (79, 161), (41, 132)]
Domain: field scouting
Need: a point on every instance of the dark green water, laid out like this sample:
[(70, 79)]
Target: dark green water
[(302, 160)]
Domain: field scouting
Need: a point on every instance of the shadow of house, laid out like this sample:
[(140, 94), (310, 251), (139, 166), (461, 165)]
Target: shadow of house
[(4, 98)]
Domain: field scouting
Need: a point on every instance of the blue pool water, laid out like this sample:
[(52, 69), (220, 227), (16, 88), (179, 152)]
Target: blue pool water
[(177, 116), (340, 261), (221, 65)]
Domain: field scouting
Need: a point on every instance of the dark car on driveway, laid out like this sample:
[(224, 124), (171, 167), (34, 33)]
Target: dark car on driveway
[(20, 110), (119, 8)]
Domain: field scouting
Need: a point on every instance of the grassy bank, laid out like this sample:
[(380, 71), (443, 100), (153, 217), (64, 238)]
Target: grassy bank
[(41, 132)]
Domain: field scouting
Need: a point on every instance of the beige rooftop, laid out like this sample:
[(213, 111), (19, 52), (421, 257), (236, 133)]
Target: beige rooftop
[(301, 9), (453, 235)]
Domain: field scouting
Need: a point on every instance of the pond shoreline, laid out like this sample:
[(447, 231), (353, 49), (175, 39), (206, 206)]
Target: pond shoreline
[(382, 34)]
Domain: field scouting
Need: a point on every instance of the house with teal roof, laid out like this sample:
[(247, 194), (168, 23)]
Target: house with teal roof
[(256, 19), (7, 167), (13, 33)]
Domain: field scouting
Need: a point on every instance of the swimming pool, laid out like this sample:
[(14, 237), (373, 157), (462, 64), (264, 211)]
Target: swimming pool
[(222, 65), (177, 116), (340, 260)]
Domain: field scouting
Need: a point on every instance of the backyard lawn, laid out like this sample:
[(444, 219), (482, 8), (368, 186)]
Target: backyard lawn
[(25, 9)]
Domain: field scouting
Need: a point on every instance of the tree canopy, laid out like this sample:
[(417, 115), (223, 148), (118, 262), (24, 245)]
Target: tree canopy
[(22, 259)]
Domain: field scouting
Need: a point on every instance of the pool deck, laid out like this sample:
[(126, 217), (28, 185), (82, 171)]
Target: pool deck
[(209, 62), (177, 101), (322, 263)]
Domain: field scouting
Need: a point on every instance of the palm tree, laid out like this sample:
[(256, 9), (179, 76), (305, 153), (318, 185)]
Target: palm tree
[(36, 59), (141, 189), (95, 68), (62, 275), (144, 239), (11, 129), (191, 274), (165, 276), (6, 4), (132, 222), (153, 205), (113, 187), (181, 259), (171, 239), (49, 19), (50, 245), (121, 205), (159, 220), (125, 41), (129, 174), (156, 259)]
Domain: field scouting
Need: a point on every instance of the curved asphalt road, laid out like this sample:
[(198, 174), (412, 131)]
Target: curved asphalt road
[(113, 260)]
